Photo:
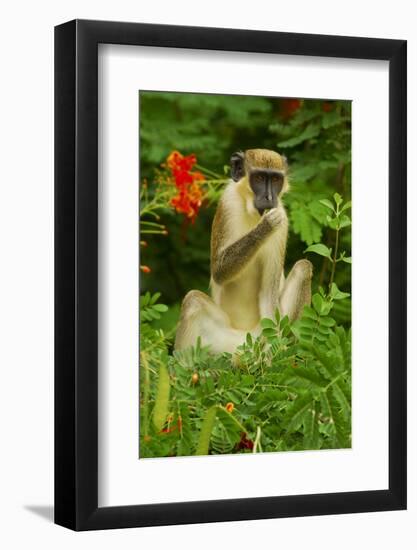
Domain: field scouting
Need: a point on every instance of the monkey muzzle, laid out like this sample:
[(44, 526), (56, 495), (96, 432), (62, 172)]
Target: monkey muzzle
[(266, 202), (266, 186)]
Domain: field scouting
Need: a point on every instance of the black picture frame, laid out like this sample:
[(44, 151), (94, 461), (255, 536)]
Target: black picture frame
[(76, 272)]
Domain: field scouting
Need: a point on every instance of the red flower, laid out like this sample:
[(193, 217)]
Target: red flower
[(188, 199), (172, 427), (327, 107), (168, 429), (145, 269), (289, 107), (244, 442), (177, 161)]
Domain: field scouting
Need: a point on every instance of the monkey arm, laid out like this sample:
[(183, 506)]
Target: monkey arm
[(228, 263)]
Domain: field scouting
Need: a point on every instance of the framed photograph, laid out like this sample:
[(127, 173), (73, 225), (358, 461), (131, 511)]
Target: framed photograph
[(230, 247)]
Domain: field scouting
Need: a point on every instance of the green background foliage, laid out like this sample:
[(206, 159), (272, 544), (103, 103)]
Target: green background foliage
[(302, 387)]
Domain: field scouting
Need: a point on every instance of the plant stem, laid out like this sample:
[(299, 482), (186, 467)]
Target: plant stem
[(217, 181), (146, 386), (153, 224), (210, 172), (153, 232), (336, 246), (322, 271), (257, 440)]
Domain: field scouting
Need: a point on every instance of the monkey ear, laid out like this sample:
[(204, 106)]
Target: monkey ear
[(237, 170)]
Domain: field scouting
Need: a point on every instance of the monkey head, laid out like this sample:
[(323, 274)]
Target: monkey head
[(261, 175)]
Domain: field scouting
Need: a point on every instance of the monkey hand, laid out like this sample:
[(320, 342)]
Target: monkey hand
[(273, 218)]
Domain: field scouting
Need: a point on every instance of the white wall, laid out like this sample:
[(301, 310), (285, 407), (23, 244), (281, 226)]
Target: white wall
[(26, 300)]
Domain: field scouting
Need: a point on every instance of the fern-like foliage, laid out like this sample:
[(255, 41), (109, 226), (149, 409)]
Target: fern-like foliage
[(149, 309), (287, 389)]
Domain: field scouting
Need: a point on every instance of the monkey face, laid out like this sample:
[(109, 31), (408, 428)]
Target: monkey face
[(266, 185), (262, 175)]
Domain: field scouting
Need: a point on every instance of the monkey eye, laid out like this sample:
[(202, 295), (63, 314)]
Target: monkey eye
[(260, 178), (277, 179)]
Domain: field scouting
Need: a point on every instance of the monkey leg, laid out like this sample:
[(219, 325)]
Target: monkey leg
[(297, 290), (202, 318)]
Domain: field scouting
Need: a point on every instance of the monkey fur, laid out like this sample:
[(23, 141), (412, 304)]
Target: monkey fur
[(248, 244)]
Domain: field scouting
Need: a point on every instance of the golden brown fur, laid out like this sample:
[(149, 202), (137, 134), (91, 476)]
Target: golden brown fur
[(264, 158), (247, 266)]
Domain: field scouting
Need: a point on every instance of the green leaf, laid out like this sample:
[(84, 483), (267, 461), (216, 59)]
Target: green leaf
[(327, 321), (185, 443), (269, 332), (337, 199), (311, 425), (334, 224), (345, 406), (347, 260), (160, 307), (205, 432), (155, 297), (347, 205), (308, 323), (144, 299), (326, 308), (304, 223), (160, 410), (320, 249), (295, 414), (339, 428), (231, 425), (330, 119), (153, 314), (309, 313), (318, 303), (318, 211), (344, 221), (268, 323), (337, 294), (327, 203), (310, 374), (277, 316), (311, 131)]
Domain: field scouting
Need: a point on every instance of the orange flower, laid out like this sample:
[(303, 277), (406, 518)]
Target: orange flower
[(230, 407), (145, 269), (188, 199), (327, 107), (198, 176)]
